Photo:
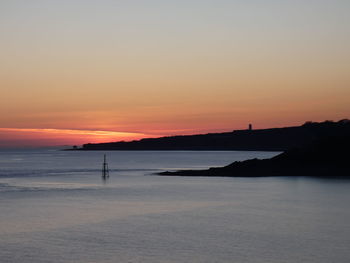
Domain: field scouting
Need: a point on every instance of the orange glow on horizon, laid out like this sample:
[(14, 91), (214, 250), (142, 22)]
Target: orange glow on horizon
[(24, 137)]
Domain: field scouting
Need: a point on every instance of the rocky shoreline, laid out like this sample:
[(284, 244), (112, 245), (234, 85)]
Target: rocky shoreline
[(327, 157)]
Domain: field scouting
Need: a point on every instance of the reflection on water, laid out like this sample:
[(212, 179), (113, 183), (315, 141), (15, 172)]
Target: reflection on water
[(57, 208), (104, 180)]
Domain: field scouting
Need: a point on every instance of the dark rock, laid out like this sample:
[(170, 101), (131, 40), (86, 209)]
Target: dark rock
[(326, 157)]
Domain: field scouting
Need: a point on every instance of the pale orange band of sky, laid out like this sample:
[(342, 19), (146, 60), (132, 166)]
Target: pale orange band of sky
[(60, 137)]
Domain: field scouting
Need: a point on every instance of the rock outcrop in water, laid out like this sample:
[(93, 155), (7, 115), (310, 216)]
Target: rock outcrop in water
[(276, 139), (327, 157)]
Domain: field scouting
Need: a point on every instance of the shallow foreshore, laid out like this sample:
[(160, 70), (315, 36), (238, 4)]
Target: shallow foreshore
[(260, 168)]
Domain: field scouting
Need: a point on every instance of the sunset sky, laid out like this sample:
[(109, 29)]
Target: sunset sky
[(79, 71)]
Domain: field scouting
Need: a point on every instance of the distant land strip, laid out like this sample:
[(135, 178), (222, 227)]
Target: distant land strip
[(273, 139)]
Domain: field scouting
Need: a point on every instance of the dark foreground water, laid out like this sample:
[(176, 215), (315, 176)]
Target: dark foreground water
[(54, 207)]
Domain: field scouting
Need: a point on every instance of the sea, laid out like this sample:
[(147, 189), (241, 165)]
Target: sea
[(56, 207)]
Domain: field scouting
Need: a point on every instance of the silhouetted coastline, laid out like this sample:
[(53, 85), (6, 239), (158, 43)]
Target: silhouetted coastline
[(274, 139), (328, 157)]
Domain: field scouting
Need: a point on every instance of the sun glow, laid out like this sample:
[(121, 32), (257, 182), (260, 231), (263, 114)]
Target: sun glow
[(56, 137)]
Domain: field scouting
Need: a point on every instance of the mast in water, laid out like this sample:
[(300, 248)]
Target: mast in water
[(105, 171)]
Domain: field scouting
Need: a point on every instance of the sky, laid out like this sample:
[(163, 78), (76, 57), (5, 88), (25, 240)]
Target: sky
[(79, 71)]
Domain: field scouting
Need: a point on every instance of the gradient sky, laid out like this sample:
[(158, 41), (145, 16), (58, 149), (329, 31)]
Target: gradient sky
[(76, 71)]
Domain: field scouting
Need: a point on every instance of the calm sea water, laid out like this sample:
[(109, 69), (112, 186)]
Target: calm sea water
[(54, 207)]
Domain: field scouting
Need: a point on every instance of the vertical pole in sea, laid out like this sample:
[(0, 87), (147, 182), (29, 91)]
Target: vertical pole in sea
[(105, 170)]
